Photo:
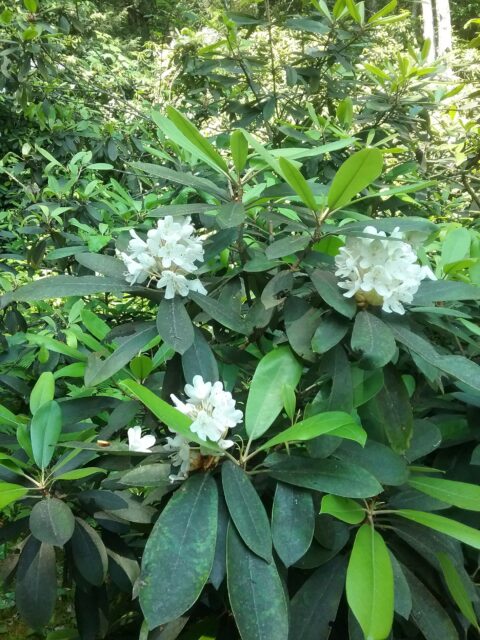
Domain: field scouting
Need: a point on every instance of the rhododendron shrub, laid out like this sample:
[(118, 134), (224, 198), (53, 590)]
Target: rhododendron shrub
[(283, 415)]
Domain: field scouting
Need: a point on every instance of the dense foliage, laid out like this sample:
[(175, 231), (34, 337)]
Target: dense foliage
[(240, 273)]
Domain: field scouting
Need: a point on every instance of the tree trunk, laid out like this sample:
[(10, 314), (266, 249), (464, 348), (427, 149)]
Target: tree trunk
[(444, 26), (428, 27)]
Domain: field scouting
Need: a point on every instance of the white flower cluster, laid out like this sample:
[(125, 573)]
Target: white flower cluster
[(213, 413), (380, 271), (167, 256)]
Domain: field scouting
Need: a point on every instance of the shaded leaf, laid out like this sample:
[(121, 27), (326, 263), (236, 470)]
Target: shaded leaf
[(52, 521), (174, 324), (246, 510), (292, 511), (256, 593), (179, 553)]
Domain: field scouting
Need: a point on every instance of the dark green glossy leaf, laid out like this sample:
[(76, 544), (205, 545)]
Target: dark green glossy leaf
[(403, 597), (256, 593), (99, 370), (427, 613), (373, 339), (52, 521), (330, 476), (286, 246), (388, 467), (89, 553), (226, 316), (36, 583), (246, 510), (391, 411), (327, 286), (63, 287), (174, 324), (301, 321), (314, 607), (179, 553), (199, 359), (331, 329), (292, 511)]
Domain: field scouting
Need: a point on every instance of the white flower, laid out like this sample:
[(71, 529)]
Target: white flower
[(182, 456), (211, 409), (380, 271), (137, 442), (168, 255)]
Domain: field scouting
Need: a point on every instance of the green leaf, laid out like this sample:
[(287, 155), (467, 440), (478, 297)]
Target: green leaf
[(308, 25), (230, 214), (330, 476), (79, 474), (52, 521), (457, 530), (174, 324), (373, 339), (388, 467), (239, 149), (431, 291), (31, 5), (99, 370), (223, 314), (344, 509), (456, 246), (388, 8), (147, 475), (369, 584), (315, 604), (333, 423), (186, 179), (45, 430), (43, 391), (141, 367), (458, 494), (356, 173), (174, 419), (403, 597), (393, 401), (63, 287), (294, 178), (301, 320), (327, 286), (179, 553), (457, 588), (10, 493), (330, 331), (292, 511), (199, 359), (264, 403), (193, 136), (36, 583), (89, 553), (286, 246), (427, 613), (256, 593), (246, 510), (104, 264)]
